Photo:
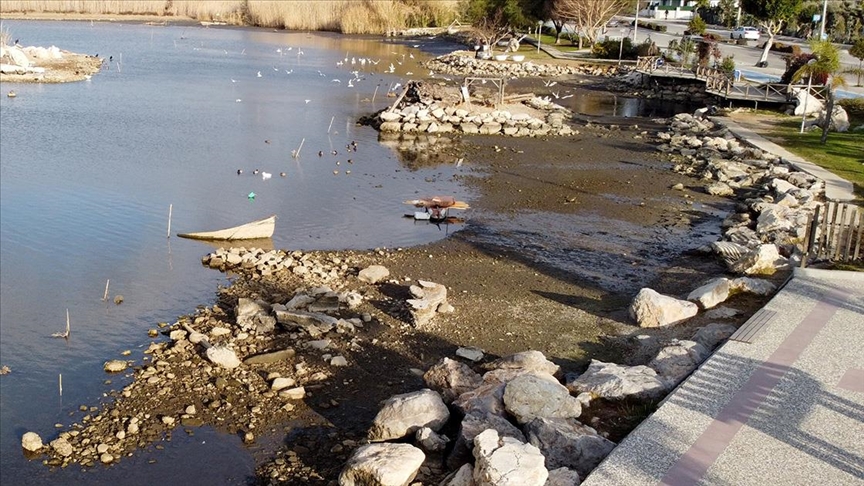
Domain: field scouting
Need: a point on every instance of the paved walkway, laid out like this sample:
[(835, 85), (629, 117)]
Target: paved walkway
[(786, 409), (836, 188)]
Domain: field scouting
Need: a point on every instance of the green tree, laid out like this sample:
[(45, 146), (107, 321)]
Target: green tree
[(772, 15), (697, 25), (826, 64), (728, 12), (857, 51)]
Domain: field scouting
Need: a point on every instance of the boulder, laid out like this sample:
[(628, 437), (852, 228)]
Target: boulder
[(31, 442), (568, 443), (530, 361), (504, 461), (764, 260), (719, 189), (382, 465), (429, 440), (712, 334), (488, 398), (404, 414), (534, 395), (652, 309), (470, 353), (464, 476), (470, 427), (373, 274), (115, 365), (428, 297), (677, 360), (808, 102), (616, 382), (223, 356), (711, 294), (563, 477), (451, 378), (752, 285)]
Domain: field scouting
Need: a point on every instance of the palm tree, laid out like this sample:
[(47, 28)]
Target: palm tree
[(827, 66)]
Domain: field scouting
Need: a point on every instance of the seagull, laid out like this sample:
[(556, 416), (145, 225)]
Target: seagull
[(259, 74), (299, 52), (289, 72), (411, 56), (233, 80), (555, 94), (238, 100), (307, 101), (337, 81), (392, 68), (350, 85), (266, 175), (339, 63), (565, 97)]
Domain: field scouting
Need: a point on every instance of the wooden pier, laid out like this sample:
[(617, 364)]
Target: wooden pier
[(718, 83)]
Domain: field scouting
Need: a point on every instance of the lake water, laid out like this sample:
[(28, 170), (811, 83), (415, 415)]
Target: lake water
[(88, 171)]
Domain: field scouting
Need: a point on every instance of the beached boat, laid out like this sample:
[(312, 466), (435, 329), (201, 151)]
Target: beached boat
[(263, 228)]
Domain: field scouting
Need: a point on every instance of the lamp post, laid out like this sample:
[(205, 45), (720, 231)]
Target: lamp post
[(807, 96), (636, 22), (824, 14)]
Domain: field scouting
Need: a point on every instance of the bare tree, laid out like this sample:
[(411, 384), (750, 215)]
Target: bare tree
[(590, 16), (489, 30)]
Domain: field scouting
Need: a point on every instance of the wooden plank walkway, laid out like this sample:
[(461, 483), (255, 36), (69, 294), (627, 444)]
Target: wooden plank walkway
[(720, 84)]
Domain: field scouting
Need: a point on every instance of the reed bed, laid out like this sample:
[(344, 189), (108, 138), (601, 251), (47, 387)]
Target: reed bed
[(346, 16)]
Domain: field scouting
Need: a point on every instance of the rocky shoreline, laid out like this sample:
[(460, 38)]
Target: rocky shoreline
[(292, 337), (19, 64)]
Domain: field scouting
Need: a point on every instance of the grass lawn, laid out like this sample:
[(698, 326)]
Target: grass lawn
[(843, 154)]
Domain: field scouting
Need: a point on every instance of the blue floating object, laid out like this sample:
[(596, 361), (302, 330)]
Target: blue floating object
[(251, 195)]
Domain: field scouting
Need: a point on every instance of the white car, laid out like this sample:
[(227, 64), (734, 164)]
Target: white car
[(751, 33)]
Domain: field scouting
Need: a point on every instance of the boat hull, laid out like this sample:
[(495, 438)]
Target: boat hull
[(263, 228)]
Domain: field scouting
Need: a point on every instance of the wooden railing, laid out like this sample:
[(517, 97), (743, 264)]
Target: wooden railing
[(835, 232), (720, 83)]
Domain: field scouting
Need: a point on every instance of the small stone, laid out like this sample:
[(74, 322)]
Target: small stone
[(190, 410), (118, 299), (31, 442), (470, 353), (106, 458), (338, 361), (115, 365)]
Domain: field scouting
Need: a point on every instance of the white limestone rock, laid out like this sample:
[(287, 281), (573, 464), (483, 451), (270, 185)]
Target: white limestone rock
[(505, 461), (451, 378), (223, 356), (534, 395), (711, 294), (751, 285), (568, 443), (652, 309), (712, 334), (404, 414), (31, 442), (429, 440), (531, 361), (764, 260), (617, 382), (471, 426), (677, 360), (373, 274), (382, 464)]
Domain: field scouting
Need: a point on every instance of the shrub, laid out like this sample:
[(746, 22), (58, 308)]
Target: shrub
[(697, 25), (853, 106), (609, 49), (727, 65), (794, 63)]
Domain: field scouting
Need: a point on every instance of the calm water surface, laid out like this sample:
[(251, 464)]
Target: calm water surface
[(88, 171)]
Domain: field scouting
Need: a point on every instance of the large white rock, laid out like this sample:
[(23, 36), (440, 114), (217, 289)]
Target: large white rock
[(710, 335), (752, 285), (373, 274), (813, 105), (568, 443), (382, 465), (472, 425), (507, 462), (451, 378), (711, 294), (616, 382), (404, 414), (677, 360), (31, 441), (488, 398), (539, 395), (17, 56), (527, 361), (764, 260), (223, 356), (652, 309)]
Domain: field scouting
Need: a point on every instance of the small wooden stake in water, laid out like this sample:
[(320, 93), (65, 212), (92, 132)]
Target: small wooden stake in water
[(375, 93), (331, 124), (105, 295), (61, 384), (170, 210), (296, 153), (64, 335)]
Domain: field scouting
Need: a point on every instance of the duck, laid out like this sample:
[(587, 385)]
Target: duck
[(256, 171), (334, 152), (239, 171), (320, 153), (282, 174), (11, 94)]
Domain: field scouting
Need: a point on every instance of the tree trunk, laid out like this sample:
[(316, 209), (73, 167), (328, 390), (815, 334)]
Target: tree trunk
[(770, 42), (829, 110)]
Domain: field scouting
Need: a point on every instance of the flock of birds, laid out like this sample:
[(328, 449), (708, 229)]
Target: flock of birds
[(351, 147)]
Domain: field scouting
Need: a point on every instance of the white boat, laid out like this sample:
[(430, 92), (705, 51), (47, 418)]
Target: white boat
[(263, 228)]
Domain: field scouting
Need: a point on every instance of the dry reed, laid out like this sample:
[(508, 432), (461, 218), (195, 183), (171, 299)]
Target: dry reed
[(346, 16)]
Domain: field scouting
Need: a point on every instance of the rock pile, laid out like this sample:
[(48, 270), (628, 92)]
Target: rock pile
[(465, 64), (41, 64), (418, 114)]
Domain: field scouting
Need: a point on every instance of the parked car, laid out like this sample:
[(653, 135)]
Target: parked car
[(692, 38), (751, 33)]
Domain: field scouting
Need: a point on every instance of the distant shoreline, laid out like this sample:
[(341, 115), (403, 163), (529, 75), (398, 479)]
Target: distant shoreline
[(136, 18)]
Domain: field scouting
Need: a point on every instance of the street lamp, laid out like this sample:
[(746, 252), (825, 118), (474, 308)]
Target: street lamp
[(636, 22), (807, 96), (824, 14)]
